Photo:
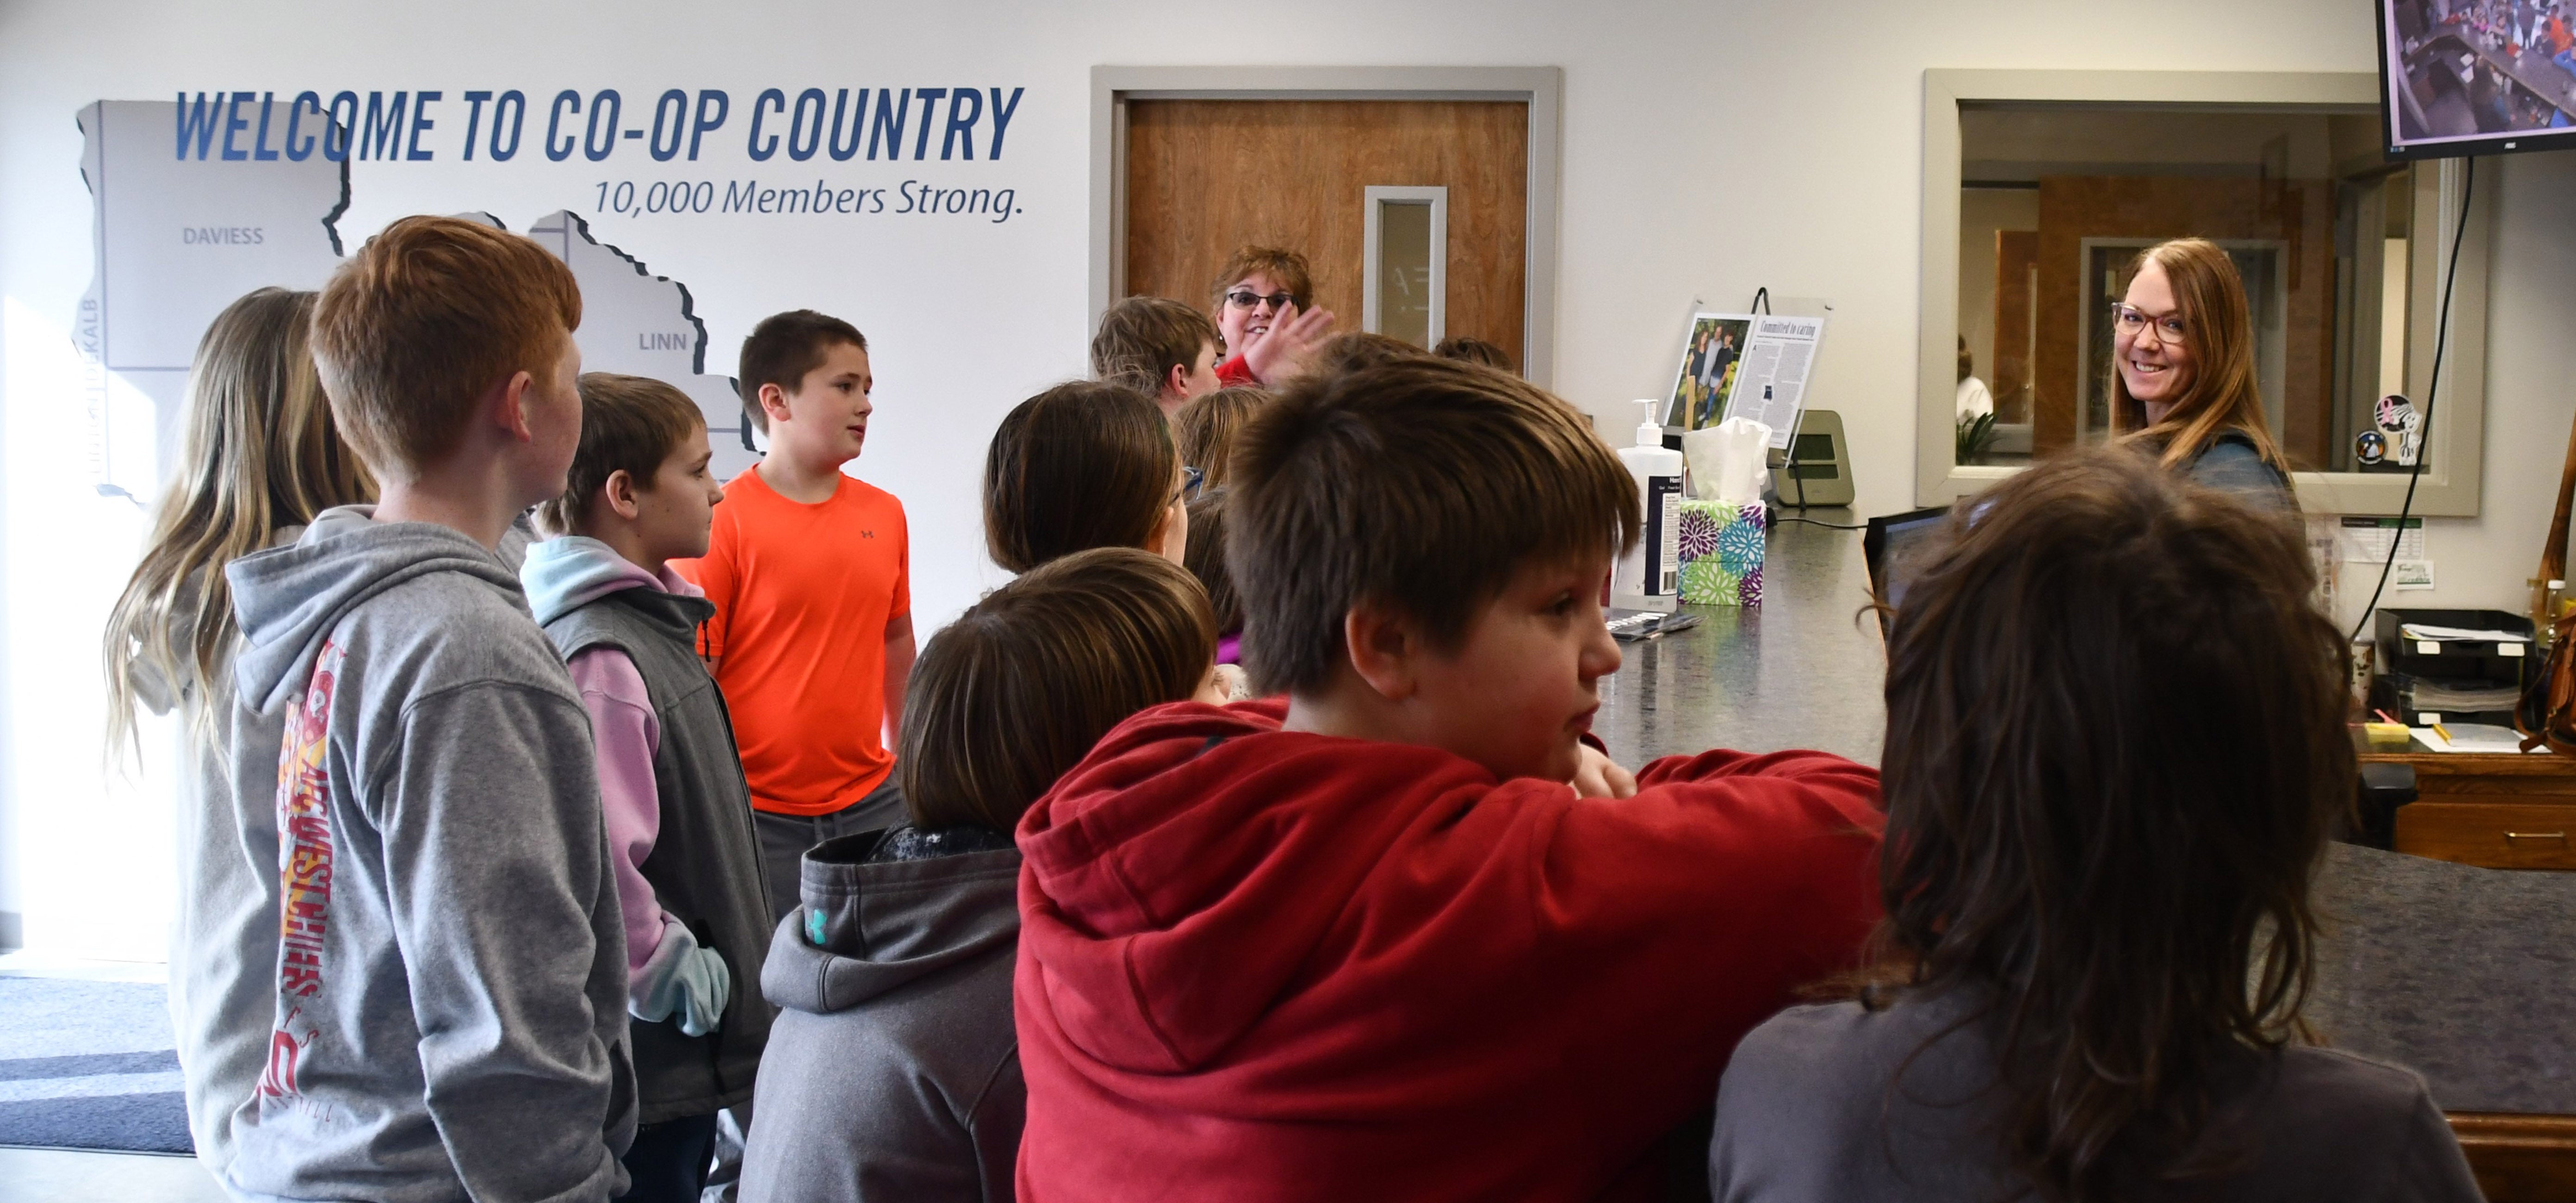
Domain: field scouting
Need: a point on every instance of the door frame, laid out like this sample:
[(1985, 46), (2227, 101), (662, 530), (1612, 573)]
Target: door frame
[(1542, 89)]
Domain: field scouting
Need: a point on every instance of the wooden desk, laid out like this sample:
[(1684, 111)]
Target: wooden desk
[(2496, 812), (2520, 1158), (2499, 812)]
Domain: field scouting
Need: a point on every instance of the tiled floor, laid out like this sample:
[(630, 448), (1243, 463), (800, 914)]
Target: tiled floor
[(70, 1176)]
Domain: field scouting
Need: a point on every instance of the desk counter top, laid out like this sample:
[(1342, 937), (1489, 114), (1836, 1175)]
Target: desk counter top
[(2460, 973), (1805, 669)]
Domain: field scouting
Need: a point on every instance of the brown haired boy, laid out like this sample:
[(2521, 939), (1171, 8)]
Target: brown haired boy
[(891, 1083), (809, 571), (1265, 312), (1161, 348), (680, 838), (1475, 351), (1370, 944), (451, 982)]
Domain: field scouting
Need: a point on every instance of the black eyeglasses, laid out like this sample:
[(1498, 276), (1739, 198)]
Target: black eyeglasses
[(1191, 479), (1248, 299)]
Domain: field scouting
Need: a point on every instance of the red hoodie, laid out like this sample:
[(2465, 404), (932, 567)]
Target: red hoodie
[(1265, 965)]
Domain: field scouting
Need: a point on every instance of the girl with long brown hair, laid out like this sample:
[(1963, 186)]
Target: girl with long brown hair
[(260, 457), (2182, 373), (2115, 750), (1085, 464)]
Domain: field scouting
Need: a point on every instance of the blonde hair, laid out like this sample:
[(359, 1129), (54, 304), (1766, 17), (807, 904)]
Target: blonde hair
[(261, 452), (2218, 333), (1204, 429)]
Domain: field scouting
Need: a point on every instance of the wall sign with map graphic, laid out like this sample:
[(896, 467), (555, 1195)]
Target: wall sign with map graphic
[(641, 324), (177, 237), (173, 242)]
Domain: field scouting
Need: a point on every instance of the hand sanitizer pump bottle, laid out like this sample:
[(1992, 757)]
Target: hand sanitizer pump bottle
[(1648, 577)]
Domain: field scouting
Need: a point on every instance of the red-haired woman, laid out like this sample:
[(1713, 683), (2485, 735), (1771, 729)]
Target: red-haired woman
[(2182, 374)]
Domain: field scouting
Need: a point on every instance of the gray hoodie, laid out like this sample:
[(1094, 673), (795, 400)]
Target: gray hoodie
[(1836, 1101), (893, 1070), (450, 1011), (223, 945)]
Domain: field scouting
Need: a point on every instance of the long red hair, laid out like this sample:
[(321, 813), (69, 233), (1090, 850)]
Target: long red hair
[(2218, 334)]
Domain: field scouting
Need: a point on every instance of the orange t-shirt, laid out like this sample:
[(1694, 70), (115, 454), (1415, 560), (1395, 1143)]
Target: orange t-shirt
[(803, 594)]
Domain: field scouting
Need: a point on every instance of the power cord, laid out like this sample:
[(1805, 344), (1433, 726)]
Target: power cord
[(2432, 392), (1821, 522)]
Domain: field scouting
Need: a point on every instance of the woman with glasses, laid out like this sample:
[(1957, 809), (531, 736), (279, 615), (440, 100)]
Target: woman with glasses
[(2182, 374), (1265, 309)]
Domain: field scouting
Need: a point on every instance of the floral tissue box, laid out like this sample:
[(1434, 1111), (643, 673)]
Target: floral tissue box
[(1721, 552)]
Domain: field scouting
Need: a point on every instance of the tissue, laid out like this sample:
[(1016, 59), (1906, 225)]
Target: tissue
[(1729, 461)]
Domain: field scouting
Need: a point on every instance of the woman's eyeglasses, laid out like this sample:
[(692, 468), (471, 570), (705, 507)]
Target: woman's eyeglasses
[(2131, 320), (1191, 479), (1247, 299)]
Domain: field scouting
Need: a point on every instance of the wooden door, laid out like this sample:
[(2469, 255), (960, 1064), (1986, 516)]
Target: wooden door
[(1207, 176)]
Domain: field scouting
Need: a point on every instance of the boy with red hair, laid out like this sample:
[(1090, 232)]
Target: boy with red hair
[(451, 975)]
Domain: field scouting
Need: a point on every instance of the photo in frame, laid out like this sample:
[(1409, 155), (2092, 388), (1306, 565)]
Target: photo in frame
[(1710, 353)]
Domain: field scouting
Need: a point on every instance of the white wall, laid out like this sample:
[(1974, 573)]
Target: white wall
[(1709, 148), (2531, 393)]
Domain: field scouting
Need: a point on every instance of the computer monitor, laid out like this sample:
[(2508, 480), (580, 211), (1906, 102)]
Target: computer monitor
[(1892, 546), (2475, 77)]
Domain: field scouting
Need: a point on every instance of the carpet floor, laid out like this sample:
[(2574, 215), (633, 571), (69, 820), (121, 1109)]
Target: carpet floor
[(89, 1065)]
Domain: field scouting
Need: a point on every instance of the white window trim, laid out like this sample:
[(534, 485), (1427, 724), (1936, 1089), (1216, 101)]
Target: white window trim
[(2451, 478)]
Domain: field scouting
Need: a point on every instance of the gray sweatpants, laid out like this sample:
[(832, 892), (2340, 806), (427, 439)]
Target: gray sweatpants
[(784, 838)]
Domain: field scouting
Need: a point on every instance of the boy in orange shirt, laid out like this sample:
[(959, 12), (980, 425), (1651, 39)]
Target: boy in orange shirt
[(810, 574)]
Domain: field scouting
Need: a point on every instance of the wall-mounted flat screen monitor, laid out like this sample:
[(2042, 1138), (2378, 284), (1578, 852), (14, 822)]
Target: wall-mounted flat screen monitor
[(2476, 77)]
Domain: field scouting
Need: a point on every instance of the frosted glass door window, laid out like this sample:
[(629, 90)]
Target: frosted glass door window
[(1407, 241), (1404, 272)]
